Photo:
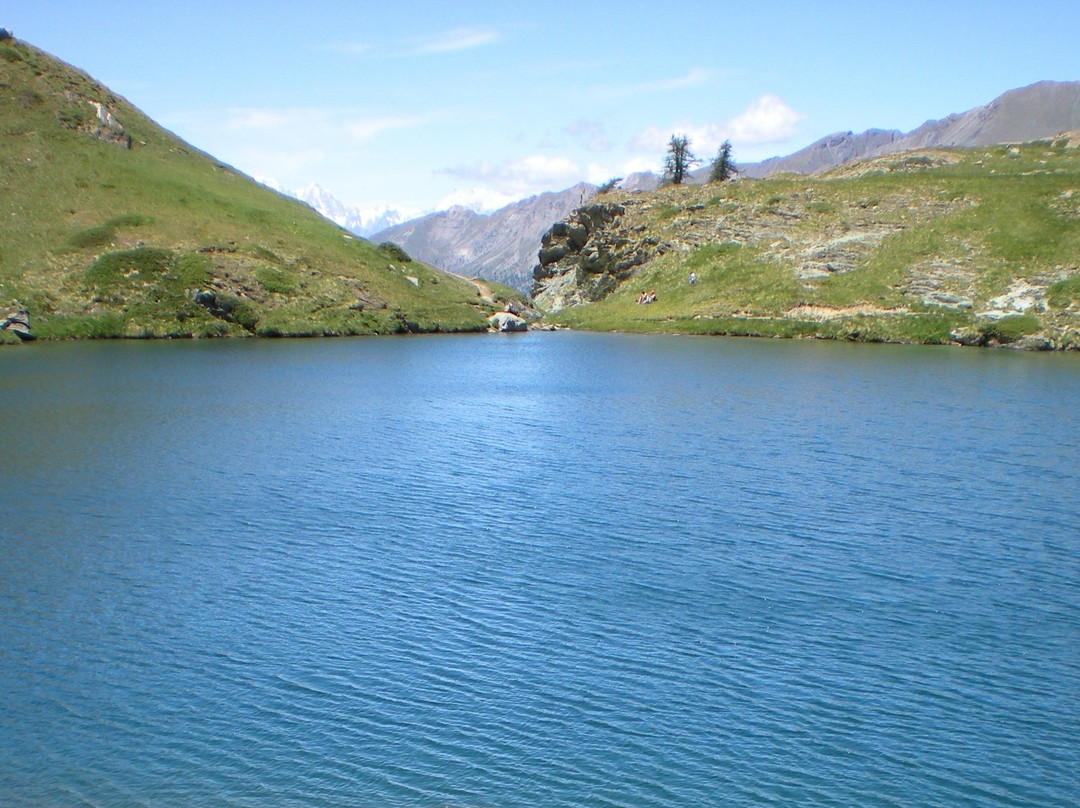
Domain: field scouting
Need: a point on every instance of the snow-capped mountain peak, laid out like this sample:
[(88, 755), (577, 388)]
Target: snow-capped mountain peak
[(362, 221)]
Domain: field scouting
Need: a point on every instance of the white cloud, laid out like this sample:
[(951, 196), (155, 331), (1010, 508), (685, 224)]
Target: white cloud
[(639, 163), (482, 200), (540, 168), (598, 174), (496, 185), (537, 170), (767, 120), (457, 40)]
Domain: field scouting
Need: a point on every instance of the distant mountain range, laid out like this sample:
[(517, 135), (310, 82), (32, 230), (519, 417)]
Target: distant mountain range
[(500, 246), (503, 245), (362, 221), (1037, 111)]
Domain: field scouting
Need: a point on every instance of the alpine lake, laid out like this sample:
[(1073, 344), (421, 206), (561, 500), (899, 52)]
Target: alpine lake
[(549, 569)]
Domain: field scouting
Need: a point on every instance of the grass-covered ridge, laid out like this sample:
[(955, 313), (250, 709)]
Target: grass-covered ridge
[(112, 227), (976, 246)]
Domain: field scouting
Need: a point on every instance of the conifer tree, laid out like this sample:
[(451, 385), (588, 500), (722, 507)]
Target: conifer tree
[(679, 160), (723, 167)]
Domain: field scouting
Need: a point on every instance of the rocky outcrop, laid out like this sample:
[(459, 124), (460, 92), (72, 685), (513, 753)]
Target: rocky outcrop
[(17, 321), (585, 256), (102, 126)]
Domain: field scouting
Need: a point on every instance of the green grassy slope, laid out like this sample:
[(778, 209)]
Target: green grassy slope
[(975, 245), (114, 227)]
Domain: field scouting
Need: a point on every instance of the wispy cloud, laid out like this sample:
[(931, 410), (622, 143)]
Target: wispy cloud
[(458, 39), (527, 171), (308, 122), (589, 134), (694, 77), (348, 48), (368, 128)]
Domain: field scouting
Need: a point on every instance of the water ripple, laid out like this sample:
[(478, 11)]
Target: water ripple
[(758, 574)]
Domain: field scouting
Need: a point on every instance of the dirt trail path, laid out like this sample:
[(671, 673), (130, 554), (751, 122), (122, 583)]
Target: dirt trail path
[(484, 290)]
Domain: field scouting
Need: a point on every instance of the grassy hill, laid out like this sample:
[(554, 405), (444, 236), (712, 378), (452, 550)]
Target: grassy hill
[(112, 227), (946, 245)]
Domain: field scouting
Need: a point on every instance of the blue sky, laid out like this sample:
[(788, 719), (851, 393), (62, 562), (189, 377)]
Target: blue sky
[(420, 105)]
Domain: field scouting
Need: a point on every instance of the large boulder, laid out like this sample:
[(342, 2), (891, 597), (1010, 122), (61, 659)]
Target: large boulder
[(507, 322), (17, 321)]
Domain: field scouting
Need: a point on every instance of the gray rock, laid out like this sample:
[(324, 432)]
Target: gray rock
[(549, 255), (577, 235), (966, 335), (17, 322), (1034, 342), (505, 322)]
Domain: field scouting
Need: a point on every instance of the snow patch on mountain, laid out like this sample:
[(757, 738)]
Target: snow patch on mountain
[(361, 221)]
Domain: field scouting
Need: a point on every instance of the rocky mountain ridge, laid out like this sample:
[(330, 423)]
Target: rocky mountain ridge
[(1038, 110), (499, 246)]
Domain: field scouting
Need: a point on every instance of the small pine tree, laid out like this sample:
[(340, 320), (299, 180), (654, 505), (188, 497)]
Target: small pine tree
[(723, 167), (679, 160), (609, 186)]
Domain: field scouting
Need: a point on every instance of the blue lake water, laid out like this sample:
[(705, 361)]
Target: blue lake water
[(540, 570)]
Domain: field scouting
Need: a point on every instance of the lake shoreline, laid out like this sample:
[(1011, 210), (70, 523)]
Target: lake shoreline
[(965, 340)]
